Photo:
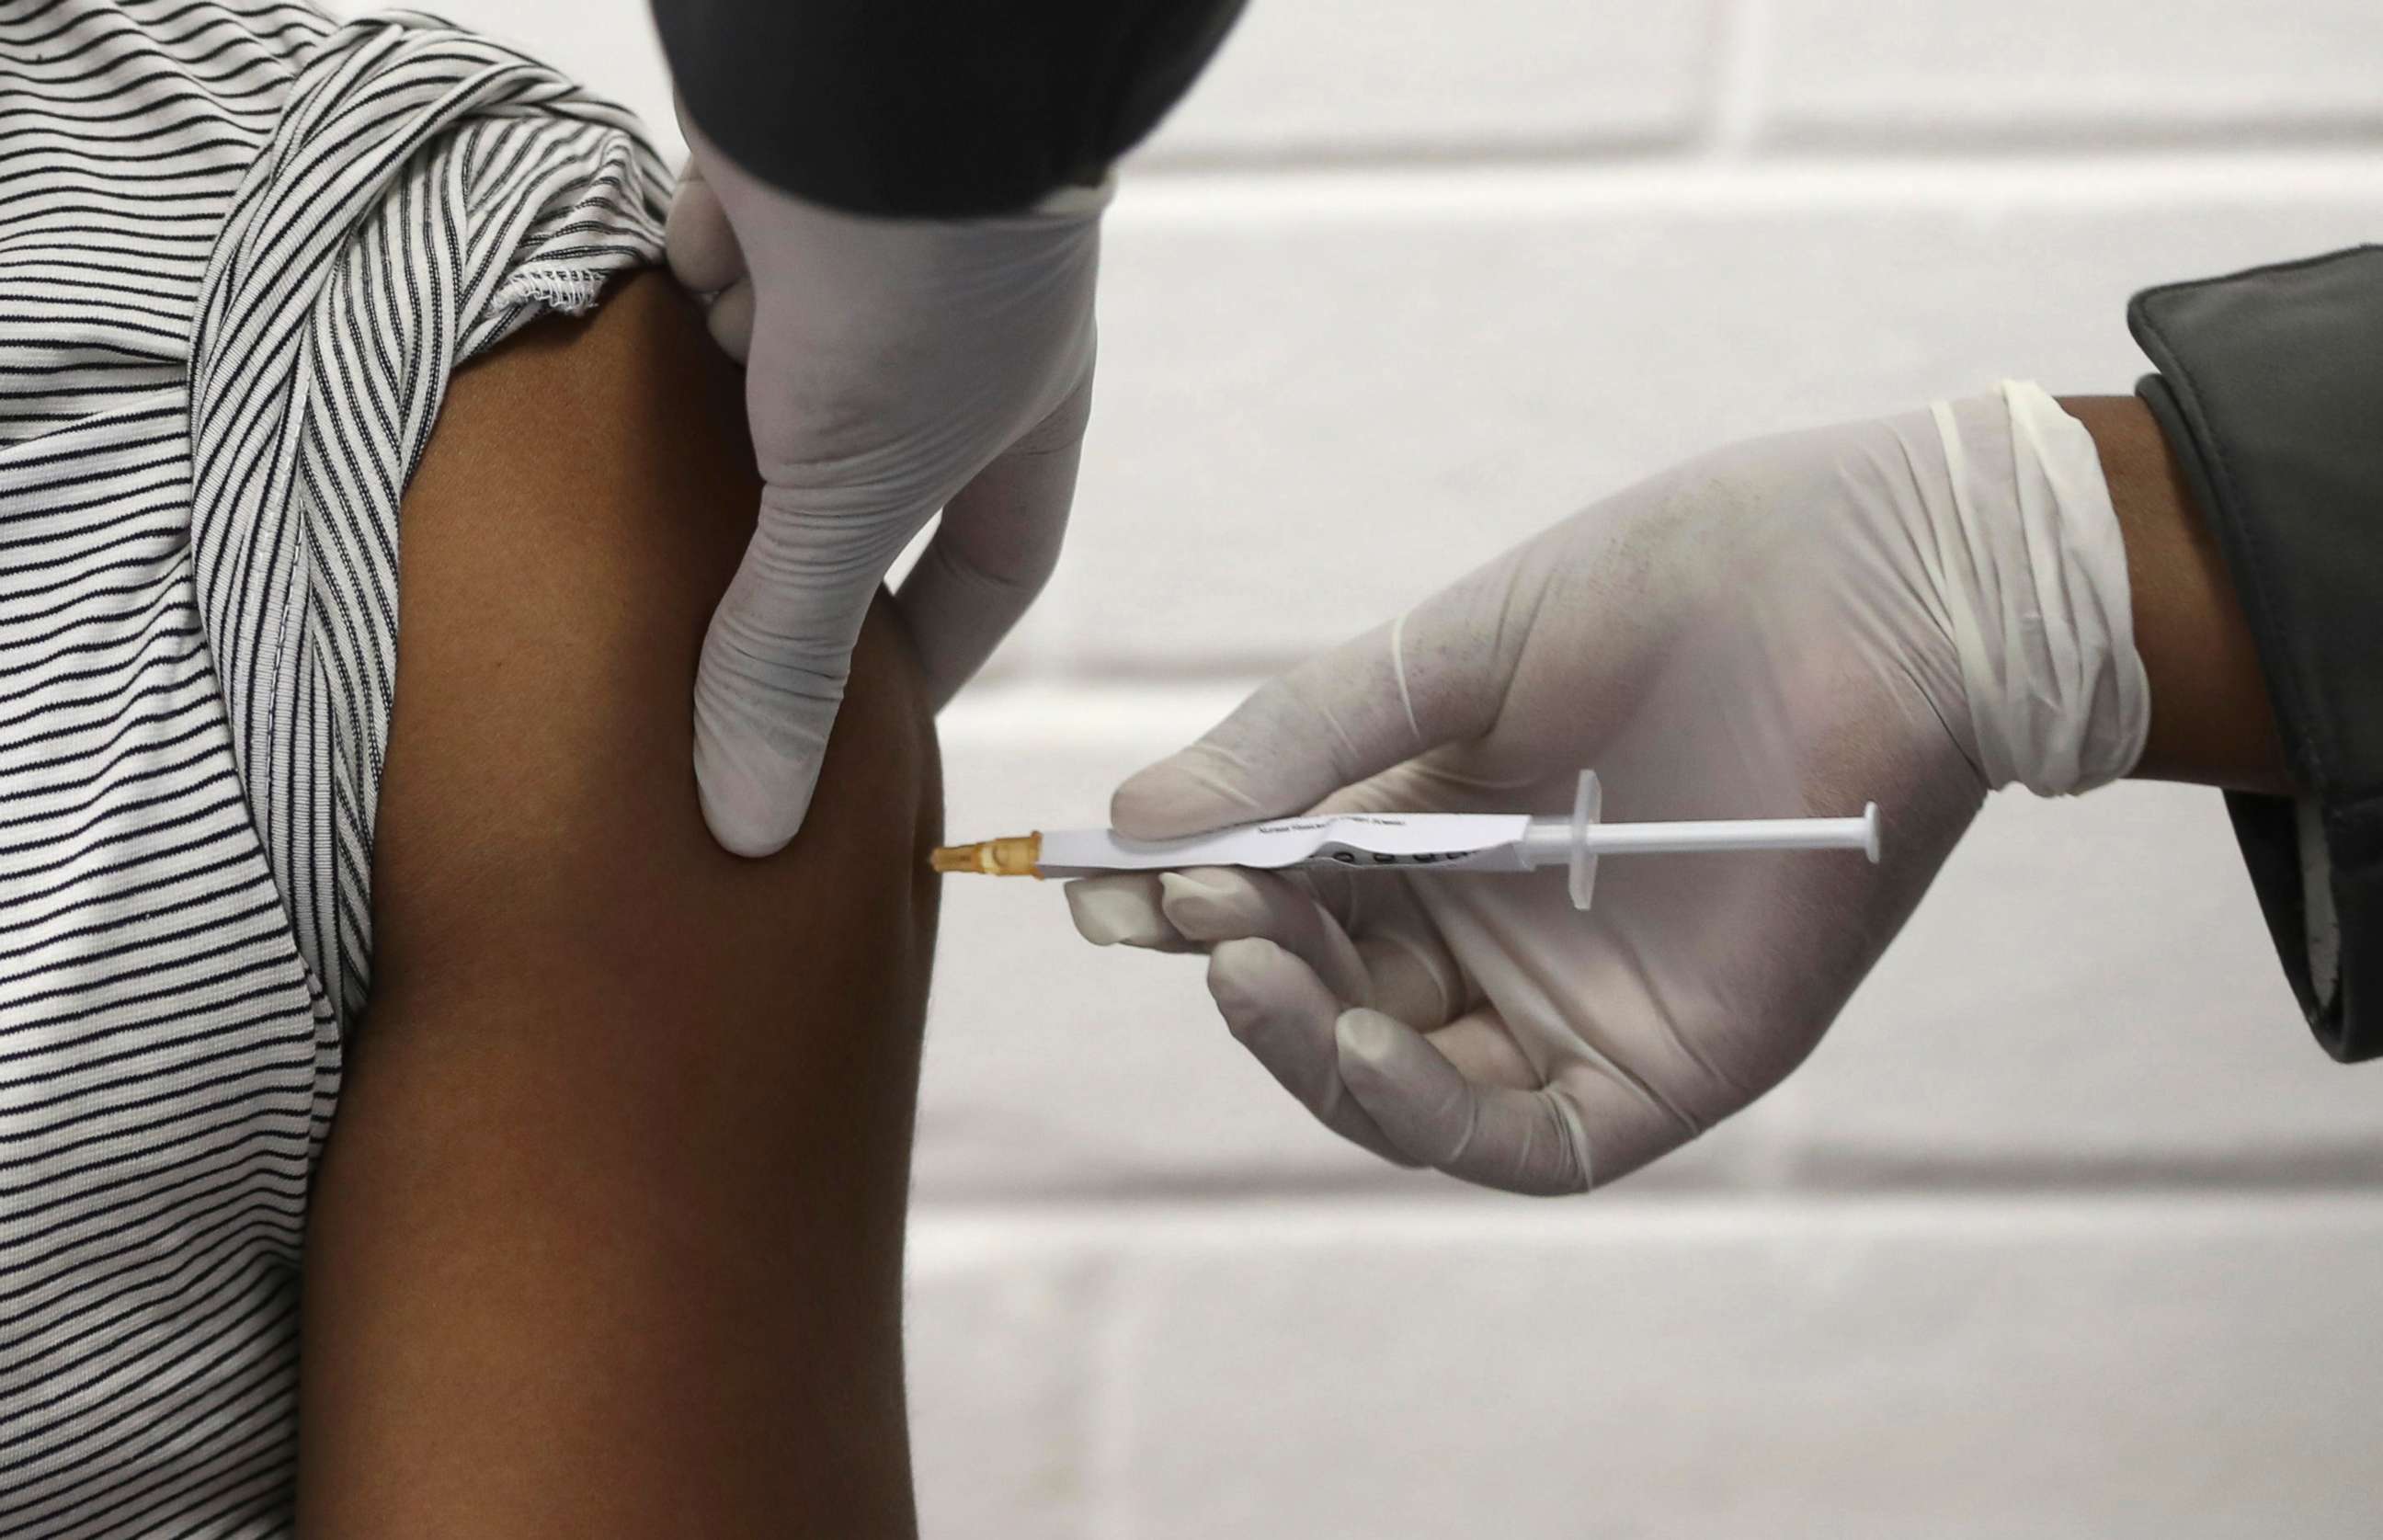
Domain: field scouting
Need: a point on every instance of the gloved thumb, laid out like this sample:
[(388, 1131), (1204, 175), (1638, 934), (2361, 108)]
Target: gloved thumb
[(1367, 704), (772, 674)]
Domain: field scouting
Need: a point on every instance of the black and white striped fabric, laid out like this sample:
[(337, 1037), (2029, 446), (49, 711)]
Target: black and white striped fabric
[(243, 246)]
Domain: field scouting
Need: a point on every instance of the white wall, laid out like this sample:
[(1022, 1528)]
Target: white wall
[(2068, 1229)]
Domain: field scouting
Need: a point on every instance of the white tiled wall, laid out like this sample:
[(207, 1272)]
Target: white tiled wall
[(2068, 1229)]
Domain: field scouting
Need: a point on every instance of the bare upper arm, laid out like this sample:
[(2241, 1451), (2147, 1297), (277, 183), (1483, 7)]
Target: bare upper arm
[(607, 1235)]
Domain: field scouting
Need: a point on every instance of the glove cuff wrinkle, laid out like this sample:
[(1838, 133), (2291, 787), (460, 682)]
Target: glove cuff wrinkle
[(2036, 576)]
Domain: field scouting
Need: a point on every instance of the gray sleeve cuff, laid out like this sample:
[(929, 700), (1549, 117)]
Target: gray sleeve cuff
[(2270, 393)]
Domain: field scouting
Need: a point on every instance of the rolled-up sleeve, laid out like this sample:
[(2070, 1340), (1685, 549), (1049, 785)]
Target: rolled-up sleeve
[(934, 108), (2270, 391)]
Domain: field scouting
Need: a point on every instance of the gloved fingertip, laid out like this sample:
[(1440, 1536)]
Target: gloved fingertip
[(1416, 1097), (753, 810), (1368, 1038), (1122, 912), (1188, 883), (1142, 809), (738, 831), (741, 829), (1241, 953), (1280, 1011), (1278, 1008), (1237, 971), (1209, 905), (1175, 797)]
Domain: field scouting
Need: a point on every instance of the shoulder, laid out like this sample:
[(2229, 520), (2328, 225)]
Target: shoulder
[(580, 508)]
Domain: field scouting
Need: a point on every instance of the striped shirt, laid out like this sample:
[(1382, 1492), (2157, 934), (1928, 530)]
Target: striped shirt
[(243, 246)]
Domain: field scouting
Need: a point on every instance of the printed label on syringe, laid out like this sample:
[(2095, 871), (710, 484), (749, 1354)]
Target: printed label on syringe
[(1478, 860), (1470, 842)]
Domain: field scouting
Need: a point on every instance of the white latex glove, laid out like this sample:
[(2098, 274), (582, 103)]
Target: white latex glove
[(1911, 611), (893, 367)]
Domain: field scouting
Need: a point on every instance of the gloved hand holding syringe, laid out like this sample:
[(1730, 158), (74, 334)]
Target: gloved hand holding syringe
[(1916, 609), (1412, 843)]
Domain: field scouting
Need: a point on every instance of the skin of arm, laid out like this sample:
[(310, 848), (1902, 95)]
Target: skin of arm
[(2211, 720), (607, 1239)]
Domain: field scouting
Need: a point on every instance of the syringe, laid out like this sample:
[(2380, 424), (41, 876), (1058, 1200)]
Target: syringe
[(1411, 842)]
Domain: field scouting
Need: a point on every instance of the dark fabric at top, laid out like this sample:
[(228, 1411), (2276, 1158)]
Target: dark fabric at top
[(946, 108), (2271, 391)]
